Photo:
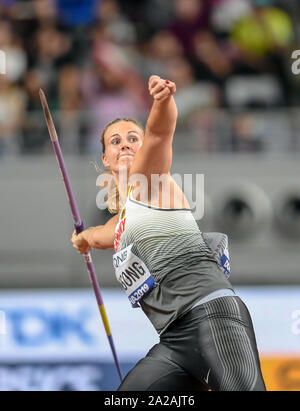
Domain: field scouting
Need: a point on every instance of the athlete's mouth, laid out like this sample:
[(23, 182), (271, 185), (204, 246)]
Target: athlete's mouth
[(126, 155)]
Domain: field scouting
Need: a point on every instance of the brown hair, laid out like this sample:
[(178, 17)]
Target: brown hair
[(114, 202)]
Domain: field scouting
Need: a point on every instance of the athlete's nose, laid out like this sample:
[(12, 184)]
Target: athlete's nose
[(125, 146)]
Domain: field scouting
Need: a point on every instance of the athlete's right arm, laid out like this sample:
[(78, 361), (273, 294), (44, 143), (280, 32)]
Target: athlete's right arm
[(100, 237)]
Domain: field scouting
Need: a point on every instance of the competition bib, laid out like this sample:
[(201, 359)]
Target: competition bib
[(133, 274)]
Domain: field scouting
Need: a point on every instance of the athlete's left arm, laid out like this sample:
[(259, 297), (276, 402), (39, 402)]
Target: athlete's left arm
[(155, 155)]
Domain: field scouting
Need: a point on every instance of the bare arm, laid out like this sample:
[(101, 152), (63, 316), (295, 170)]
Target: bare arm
[(163, 115), (100, 237), (155, 155)]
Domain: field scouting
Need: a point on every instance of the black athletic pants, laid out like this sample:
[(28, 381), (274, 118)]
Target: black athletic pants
[(211, 347)]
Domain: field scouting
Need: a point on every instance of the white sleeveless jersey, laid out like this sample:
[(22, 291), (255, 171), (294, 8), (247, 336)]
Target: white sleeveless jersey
[(160, 236), (162, 261)]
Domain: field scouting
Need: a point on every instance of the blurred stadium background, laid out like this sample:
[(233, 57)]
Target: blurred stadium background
[(239, 125)]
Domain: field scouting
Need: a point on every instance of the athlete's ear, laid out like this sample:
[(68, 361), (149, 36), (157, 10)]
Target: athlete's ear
[(105, 161)]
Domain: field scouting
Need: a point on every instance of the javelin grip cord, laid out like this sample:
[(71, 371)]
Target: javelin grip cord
[(78, 224)]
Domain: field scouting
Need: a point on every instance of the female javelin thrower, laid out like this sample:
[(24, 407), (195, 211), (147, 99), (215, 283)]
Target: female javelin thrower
[(207, 339)]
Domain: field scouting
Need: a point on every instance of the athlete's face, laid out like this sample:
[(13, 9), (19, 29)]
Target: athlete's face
[(122, 141)]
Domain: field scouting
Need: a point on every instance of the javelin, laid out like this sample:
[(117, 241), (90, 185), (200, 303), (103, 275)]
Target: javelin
[(78, 224)]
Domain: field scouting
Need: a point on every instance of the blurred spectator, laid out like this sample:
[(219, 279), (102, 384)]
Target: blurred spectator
[(71, 120), (34, 132), (157, 53), (92, 57), (196, 101), (119, 62), (45, 11), (8, 8), (153, 15), (51, 49), (77, 12), (12, 110), (210, 60), (263, 39), (245, 136), (225, 13), (69, 84), (264, 30), (31, 16), (190, 17), (121, 30), (191, 96), (113, 88), (158, 14), (16, 60)]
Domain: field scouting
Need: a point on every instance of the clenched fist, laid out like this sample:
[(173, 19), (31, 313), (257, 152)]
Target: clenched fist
[(161, 89)]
